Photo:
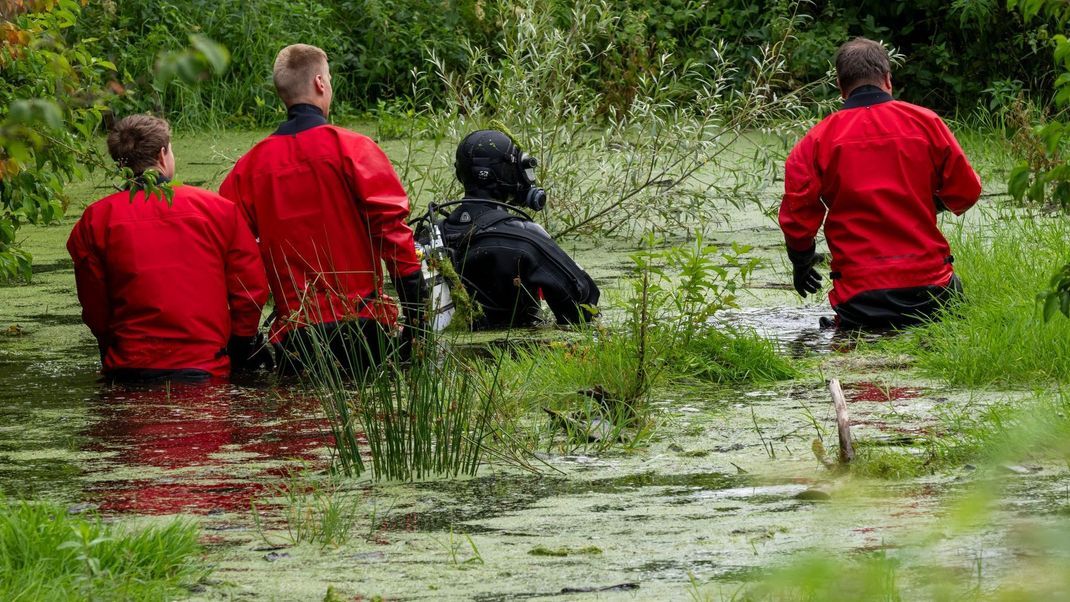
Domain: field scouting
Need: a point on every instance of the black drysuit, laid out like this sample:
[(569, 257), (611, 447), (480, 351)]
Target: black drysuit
[(508, 262)]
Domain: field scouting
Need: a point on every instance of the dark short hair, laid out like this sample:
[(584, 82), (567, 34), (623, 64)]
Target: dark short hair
[(861, 61), (135, 141)]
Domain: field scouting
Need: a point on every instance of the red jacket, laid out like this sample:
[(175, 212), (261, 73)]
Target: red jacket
[(876, 168), (164, 287), (327, 207)]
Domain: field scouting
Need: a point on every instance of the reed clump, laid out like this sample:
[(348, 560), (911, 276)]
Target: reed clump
[(313, 510), (414, 418)]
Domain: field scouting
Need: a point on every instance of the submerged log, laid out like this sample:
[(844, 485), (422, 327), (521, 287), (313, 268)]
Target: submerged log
[(843, 422)]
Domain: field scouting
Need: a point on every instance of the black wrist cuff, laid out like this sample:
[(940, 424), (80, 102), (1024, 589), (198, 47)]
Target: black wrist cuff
[(410, 288), (799, 258)]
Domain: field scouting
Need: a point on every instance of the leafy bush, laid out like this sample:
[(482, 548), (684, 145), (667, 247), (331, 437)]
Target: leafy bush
[(139, 33), (51, 102), (597, 388)]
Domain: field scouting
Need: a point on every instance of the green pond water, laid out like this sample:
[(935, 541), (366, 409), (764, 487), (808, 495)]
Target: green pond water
[(714, 498)]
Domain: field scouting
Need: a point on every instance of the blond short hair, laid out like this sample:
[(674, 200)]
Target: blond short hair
[(135, 141), (295, 68)]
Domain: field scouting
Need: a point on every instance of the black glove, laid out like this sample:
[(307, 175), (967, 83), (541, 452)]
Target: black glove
[(806, 279), (248, 354), (940, 206), (413, 296)]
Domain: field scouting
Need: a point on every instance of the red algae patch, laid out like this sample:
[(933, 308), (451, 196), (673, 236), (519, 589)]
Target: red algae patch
[(868, 391)]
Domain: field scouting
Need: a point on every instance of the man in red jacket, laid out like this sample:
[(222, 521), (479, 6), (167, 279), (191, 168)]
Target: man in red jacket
[(168, 289), (328, 209), (876, 173)]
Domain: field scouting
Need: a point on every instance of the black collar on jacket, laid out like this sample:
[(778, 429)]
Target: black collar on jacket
[(866, 96), (301, 117)]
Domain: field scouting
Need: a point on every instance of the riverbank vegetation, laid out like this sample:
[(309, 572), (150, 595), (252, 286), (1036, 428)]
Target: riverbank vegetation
[(376, 45), (48, 554), (996, 334)]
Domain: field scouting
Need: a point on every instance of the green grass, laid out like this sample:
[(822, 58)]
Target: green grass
[(996, 336), (593, 385), (45, 554), (314, 510), (592, 380), (733, 357)]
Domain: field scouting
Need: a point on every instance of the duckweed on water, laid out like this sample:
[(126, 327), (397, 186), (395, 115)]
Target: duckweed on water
[(565, 551)]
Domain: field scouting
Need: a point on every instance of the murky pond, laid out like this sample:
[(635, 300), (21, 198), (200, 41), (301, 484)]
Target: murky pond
[(727, 487)]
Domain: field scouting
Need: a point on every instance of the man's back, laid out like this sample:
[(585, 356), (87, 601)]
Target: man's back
[(159, 282), (509, 264), (327, 207), (879, 166)]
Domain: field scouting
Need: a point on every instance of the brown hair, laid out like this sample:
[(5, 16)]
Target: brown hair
[(295, 67), (861, 61), (135, 141)]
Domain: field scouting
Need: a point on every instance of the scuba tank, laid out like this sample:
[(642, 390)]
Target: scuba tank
[(442, 307), (433, 245)]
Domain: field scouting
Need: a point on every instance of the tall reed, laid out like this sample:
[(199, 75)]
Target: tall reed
[(416, 419)]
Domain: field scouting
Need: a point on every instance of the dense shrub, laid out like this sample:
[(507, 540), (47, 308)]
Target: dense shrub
[(51, 99), (957, 54), (134, 35)]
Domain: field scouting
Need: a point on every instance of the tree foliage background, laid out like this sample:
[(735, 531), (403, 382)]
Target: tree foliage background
[(958, 53), (55, 91)]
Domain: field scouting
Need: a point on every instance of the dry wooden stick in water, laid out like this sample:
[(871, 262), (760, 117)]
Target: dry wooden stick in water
[(843, 422)]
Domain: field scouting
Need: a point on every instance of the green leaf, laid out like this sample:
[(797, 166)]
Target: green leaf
[(1062, 95), (1018, 181), (1051, 305), (1062, 48), (217, 55), (1052, 135)]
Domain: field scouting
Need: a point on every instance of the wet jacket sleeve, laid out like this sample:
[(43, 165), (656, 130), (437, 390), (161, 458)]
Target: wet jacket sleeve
[(385, 205), (230, 189), (91, 279), (801, 209), (570, 291), (247, 288), (959, 187), (570, 302)]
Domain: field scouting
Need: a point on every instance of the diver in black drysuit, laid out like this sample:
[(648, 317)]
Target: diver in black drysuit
[(506, 261)]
